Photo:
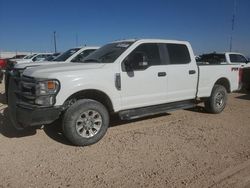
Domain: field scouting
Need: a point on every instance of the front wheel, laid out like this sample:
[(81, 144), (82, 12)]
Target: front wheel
[(85, 122), (217, 101)]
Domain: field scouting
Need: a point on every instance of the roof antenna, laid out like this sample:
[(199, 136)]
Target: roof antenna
[(232, 28)]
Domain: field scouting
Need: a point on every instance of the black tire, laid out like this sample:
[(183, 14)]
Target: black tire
[(217, 101), (74, 116)]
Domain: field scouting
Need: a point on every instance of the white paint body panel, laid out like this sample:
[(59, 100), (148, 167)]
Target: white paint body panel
[(209, 74)]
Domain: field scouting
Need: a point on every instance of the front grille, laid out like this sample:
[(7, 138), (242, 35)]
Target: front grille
[(26, 89)]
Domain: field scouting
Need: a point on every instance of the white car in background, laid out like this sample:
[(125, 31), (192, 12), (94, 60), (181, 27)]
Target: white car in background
[(33, 58), (71, 55)]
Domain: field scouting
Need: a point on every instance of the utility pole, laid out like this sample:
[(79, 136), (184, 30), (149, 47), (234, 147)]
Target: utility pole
[(232, 28), (55, 40)]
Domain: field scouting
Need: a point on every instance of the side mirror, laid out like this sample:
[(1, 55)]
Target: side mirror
[(128, 64), (135, 61)]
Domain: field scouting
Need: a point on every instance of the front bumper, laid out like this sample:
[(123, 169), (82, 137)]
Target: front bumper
[(25, 115)]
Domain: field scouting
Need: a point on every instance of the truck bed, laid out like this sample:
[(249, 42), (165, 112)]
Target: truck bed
[(209, 73)]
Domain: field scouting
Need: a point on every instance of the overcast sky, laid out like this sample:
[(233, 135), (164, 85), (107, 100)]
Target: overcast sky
[(28, 25)]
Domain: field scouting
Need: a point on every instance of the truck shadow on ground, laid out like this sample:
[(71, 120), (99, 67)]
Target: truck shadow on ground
[(55, 132), (245, 97), (198, 109), (7, 129), (245, 94)]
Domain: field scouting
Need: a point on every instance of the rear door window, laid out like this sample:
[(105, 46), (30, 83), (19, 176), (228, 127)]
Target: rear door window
[(178, 54), (237, 58)]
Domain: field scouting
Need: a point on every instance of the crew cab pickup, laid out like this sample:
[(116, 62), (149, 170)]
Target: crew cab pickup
[(131, 78)]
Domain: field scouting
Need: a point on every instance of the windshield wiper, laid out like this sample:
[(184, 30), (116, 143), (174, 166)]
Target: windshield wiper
[(91, 60)]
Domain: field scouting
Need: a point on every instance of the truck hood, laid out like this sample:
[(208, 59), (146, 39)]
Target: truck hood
[(49, 71), (35, 64)]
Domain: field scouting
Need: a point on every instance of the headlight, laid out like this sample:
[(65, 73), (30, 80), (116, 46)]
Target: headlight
[(48, 87), (46, 92), (47, 100)]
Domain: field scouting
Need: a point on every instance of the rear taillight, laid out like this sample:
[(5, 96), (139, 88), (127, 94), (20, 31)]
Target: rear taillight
[(3, 63)]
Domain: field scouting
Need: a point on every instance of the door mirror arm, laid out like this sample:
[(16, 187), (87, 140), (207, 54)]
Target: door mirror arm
[(127, 65)]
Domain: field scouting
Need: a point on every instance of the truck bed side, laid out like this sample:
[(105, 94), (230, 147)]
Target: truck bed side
[(210, 74)]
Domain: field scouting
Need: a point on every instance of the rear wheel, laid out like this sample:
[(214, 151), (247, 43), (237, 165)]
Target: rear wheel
[(217, 101), (85, 122)]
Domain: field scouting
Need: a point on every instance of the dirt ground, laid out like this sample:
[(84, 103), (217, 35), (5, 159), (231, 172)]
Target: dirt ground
[(186, 148)]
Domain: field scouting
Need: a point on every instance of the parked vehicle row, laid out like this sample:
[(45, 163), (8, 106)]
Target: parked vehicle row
[(33, 58), (70, 56), (4, 62), (131, 78), (9, 62)]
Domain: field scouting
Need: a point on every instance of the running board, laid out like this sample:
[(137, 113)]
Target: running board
[(157, 109)]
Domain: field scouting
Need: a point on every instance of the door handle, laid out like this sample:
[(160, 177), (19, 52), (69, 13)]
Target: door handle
[(192, 71), (161, 74)]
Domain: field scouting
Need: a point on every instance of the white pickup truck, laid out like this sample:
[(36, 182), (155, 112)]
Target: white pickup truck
[(132, 78), (225, 58)]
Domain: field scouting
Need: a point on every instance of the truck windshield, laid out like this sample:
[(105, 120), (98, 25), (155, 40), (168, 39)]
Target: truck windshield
[(29, 56), (108, 53), (64, 56)]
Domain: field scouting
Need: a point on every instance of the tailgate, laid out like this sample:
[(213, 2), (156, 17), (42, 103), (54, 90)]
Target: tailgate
[(246, 75)]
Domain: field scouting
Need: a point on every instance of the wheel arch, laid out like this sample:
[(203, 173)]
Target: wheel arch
[(93, 94), (224, 82)]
